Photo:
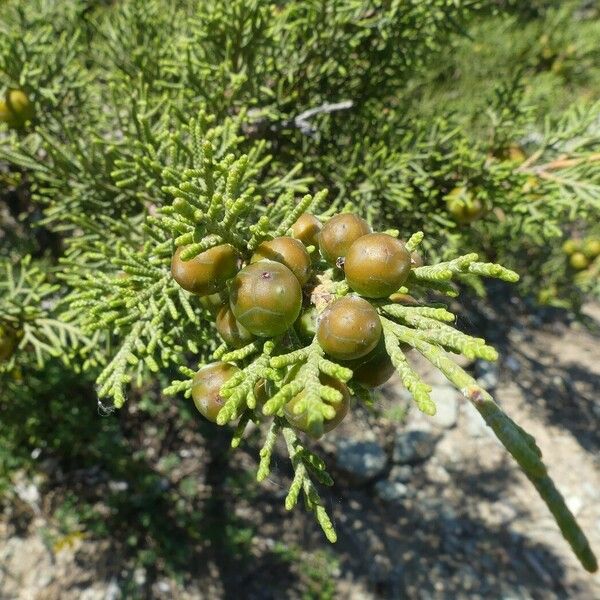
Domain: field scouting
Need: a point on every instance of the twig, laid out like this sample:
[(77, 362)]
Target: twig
[(302, 120), (562, 163)]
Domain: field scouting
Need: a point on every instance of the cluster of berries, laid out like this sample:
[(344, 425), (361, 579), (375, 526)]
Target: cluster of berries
[(16, 109), (265, 299), (581, 253)]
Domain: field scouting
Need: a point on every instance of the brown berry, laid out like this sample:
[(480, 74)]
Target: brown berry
[(463, 206), (373, 369), (206, 273), (301, 420), (306, 229), (266, 298), (232, 331), (349, 328), (288, 252), (339, 233), (377, 265), (206, 386)]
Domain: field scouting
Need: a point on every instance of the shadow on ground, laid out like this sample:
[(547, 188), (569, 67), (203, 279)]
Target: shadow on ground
[(551, 377), (205, 524)]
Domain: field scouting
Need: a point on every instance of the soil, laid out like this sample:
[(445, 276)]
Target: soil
[(470, 526)]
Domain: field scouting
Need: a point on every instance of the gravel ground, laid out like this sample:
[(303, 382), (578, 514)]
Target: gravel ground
[(436, 509)]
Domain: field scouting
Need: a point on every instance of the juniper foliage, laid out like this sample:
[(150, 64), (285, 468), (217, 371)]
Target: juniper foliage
[(159, 125)]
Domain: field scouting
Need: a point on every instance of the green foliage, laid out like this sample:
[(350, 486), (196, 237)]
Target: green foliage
[(167, 124), (553, 44), (27, 302)]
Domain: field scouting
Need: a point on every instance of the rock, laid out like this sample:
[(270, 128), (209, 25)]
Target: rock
[(95, 592), (117, 486), (487, 374), (575, 504), (400, 473), (113, 592), (163, 586), (414, 446), (139, 576), (27, 568), (362, 461), (436, 472), (512, 364), (390, 491), (29, 493), (446, 402)]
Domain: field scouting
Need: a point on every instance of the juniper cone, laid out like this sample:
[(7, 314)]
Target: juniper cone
[(296, 410), (307, 229), (373, 369), (339, 233), (234, 334), (349, 328), (207, 272), (288, 252), (266, 298), (206, 387), (377, 265)]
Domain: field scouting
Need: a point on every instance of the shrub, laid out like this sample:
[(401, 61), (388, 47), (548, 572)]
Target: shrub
[(161, 130)]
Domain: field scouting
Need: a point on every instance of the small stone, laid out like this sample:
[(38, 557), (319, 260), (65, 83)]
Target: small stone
[(446, 402), (113, 592), (117, 486), (163, 586), (512, 364), (401, 473), (414, 446), (504, 512), (95, 592), (390, 491), (362, 461), (139, 576), (437, 473), (575, 504), (487, 374), (28, 492)]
